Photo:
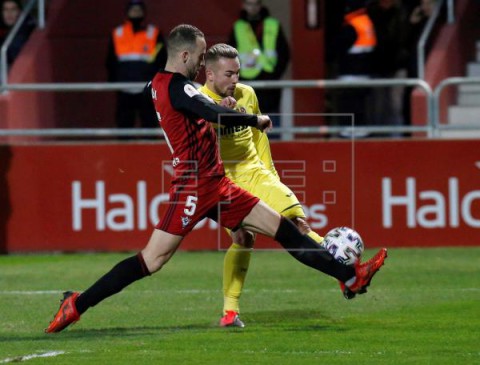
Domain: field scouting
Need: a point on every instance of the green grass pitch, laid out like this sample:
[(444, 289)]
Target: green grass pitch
[(423, 307)]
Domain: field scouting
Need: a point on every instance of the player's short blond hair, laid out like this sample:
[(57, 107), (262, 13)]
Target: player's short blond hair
[(220, 50)]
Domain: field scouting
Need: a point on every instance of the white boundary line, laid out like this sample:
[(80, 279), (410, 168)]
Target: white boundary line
[(29, 292), (32, 356), (177, 291), (205, 291)]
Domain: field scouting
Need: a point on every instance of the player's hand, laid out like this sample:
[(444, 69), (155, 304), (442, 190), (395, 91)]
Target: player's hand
[(264, 123), (228, 102)]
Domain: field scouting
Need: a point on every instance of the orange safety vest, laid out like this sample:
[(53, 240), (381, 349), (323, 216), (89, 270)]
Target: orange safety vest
[(131, 46), (366, 38)]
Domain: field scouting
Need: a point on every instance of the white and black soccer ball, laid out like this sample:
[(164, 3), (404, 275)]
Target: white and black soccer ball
[(345, 244)]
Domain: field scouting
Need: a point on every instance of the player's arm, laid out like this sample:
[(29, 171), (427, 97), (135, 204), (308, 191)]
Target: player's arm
[(262, 145), (185, 97), (261, 142)]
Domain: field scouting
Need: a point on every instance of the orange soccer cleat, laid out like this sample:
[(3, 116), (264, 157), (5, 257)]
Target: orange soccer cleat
[(67, 313), (364, 274), (231, 319)]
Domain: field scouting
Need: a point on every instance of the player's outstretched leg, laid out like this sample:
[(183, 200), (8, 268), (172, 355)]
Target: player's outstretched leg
[(159, 250), (367, 269), (74, 304), (309, 253), (305, 250)]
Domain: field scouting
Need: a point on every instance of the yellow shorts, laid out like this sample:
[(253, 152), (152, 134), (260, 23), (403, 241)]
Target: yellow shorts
[(263, 184)]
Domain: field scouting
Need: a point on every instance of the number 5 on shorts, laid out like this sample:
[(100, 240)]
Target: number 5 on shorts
[(190, 205)]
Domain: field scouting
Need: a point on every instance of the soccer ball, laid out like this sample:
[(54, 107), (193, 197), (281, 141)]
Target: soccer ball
[(344, 244)]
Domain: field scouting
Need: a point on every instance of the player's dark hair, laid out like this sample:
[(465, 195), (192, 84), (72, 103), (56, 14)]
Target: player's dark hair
[(183, 36), (218, 51)]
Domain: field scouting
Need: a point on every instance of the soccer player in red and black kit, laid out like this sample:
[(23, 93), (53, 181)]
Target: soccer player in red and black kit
[(200, 189)]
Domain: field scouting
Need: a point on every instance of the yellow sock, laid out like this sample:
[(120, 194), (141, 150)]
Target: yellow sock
[(235, 267), (314, 236)]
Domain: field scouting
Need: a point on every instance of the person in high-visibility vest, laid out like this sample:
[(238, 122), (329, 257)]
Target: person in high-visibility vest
[(358, 41), (136, 51), (355, 44), (390, 56), (263, 51)]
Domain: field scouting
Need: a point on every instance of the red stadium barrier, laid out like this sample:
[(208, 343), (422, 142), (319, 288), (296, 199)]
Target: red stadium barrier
[(107, 197)]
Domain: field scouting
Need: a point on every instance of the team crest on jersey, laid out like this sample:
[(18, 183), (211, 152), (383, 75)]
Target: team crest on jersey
[(241, 109), (185, 222)]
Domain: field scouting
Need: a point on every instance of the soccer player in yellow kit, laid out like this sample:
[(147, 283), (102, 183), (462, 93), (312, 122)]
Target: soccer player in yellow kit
[(246, 155)]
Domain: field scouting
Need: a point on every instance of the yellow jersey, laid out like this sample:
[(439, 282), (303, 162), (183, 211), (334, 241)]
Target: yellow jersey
[(242, 147), (247, 158)]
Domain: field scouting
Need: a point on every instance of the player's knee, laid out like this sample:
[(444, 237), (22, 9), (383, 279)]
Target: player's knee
[(154, 263), (249, 240), (153, 267), (302, 225), (244, 238)]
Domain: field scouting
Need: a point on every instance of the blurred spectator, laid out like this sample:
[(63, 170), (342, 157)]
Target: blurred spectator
[(409, 5), (355, 45), (11, 10), (136, 51), (389, 59), (416, 21), (333, 26), (263, 50)]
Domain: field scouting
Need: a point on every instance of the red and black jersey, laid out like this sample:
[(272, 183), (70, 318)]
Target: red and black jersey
[(184, 115)]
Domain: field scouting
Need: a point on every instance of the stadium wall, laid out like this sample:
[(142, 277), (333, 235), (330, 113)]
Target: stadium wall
[(108, 196)]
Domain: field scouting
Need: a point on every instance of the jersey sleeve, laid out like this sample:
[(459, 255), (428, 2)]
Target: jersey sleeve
[(261, 142), (185, 97)]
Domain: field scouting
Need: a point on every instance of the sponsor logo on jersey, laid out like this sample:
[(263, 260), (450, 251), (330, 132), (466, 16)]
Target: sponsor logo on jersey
[(185, 222), (233, 129)]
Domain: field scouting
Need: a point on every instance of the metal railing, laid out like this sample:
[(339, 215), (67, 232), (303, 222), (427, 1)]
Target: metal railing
[(437, 126), (11, 35), (422, 42), (450, 11), (288, 84), (427, 30)]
